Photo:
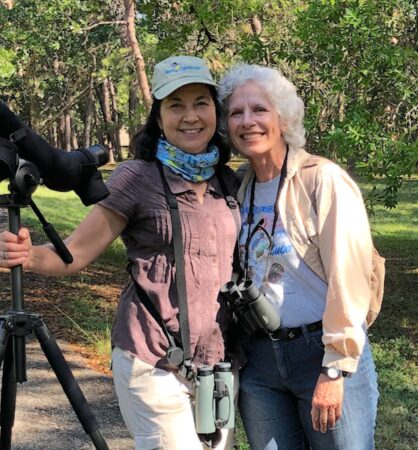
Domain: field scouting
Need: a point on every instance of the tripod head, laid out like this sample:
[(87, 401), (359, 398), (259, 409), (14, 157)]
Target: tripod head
[(24, 176), (24, 179)]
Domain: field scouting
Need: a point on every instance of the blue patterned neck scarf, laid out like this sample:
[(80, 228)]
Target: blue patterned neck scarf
[(191, 167)]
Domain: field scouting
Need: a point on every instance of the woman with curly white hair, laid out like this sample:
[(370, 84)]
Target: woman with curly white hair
[(306, 244)]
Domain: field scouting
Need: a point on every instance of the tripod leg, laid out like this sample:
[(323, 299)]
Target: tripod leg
[(69, 384), (8, 398), (4, 335)]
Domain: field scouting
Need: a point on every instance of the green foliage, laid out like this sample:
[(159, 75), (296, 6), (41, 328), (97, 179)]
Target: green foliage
[(355, 64), (56, 59), (7, 63), (361, 57)]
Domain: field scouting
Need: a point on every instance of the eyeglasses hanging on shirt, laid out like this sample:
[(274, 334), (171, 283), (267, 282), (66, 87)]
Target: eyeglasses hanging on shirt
[(259, 225)]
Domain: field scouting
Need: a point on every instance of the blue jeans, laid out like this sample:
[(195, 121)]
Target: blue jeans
[(276, 389)]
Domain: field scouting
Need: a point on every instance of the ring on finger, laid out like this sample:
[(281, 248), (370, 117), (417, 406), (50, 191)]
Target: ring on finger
[(3, 255)]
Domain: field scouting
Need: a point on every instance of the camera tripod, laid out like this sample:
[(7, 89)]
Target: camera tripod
[(15, 325)]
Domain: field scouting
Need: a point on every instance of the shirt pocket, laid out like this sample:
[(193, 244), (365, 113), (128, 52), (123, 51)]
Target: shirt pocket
[(302, 225), (150, 233), (309, 220), (190, 227), (151, 247), (155, 242), (311, 229), (159, 230)]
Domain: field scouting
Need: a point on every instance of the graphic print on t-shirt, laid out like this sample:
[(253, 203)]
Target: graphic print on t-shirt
[(274, 265), (266, 254), (266, 251)]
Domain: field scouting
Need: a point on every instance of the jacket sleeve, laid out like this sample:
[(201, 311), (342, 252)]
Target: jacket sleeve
[(345, 245)]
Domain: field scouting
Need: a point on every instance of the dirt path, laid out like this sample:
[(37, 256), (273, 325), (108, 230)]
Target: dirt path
[(44, 417)]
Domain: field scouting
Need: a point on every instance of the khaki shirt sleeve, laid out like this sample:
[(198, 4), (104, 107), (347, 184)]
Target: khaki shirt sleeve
[(345, 245)]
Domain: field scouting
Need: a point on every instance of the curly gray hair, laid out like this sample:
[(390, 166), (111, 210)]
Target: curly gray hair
[(281, 92)]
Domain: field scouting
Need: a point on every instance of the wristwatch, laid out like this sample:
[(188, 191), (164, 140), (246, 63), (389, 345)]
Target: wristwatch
[(333, 373)]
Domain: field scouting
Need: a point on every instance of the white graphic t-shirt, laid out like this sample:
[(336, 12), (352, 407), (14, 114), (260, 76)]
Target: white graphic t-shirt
[(296, 292)]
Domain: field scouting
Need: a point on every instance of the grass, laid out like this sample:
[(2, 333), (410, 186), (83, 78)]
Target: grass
[(87, 314), (393, 336)]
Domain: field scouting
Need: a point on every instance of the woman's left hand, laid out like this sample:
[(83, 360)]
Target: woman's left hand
[(327, 403)]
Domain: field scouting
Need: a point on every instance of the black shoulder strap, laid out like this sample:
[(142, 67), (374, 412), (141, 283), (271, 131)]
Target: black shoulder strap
[(233, 205), (231, 201), (179, 261)]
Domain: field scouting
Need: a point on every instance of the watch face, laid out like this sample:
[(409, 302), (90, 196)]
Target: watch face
[(333, 373)]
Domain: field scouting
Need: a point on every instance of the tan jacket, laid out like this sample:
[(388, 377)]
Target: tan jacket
[(329, 228)]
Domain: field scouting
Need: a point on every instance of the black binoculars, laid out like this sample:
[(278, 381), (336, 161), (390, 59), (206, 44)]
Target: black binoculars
[(252, 310)]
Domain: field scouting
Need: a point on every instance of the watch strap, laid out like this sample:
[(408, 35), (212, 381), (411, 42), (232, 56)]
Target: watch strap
[(341, 373)]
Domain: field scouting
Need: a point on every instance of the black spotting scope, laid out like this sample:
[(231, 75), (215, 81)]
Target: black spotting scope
[(60, 170)]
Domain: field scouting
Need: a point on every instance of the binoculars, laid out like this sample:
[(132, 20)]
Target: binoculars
[(252, 310), (214, 404)]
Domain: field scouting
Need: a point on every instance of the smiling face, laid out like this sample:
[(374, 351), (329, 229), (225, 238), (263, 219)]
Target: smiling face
[(253, 123), (188, 118)]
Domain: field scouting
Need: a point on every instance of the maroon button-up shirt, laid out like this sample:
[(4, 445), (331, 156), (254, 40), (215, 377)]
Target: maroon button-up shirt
[(209, 236)]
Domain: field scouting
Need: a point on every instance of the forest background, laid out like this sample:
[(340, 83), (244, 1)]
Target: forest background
[(78, 73)]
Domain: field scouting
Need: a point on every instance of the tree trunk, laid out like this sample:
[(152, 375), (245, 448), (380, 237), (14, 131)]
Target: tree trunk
[(54, 128), (51, 133), (67, 131), (115, 120), (74, 140), (88, 117), (61, 131), (130, 11), (98, 127), (133, 117), (107, 116)]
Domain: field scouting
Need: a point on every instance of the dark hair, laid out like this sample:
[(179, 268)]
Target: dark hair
[(144, 143)]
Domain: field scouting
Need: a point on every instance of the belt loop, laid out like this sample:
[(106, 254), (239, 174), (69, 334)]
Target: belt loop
[(306, 334)]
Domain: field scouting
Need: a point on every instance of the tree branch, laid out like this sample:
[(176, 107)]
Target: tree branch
[(71, 103), (98, 24)]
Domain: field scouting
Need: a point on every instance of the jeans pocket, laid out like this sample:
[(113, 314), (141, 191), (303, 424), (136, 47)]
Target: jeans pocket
[(316, 340)]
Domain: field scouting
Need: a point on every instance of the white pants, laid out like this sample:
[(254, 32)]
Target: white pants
[(157, 406)]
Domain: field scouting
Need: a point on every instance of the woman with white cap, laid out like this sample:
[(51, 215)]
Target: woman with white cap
[(178, 148)]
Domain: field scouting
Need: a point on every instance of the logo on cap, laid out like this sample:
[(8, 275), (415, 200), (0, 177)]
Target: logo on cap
[(176, 67)]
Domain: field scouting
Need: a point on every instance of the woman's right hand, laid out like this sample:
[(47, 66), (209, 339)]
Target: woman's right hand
[(15, 249)]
